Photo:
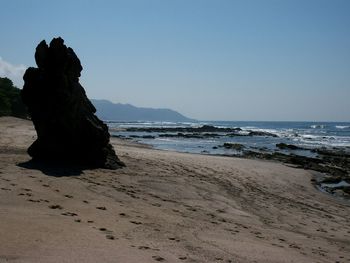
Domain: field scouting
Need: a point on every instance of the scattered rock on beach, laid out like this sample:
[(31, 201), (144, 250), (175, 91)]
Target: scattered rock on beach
[(63, 116)]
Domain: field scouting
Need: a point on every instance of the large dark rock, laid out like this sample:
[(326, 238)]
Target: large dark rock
[(63, 116)]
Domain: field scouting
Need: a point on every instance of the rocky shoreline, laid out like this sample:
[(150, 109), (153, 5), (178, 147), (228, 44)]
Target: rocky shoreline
[(204, 131), (333, 164)]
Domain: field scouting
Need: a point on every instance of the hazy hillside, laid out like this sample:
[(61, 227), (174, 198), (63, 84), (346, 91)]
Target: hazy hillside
[(107, 110)]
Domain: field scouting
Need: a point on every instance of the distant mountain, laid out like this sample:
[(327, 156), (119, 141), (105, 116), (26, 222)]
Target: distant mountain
[(107, 110)]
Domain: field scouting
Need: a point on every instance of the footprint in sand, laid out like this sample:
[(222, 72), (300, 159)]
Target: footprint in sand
[(158, 258), (101, 208), (68, 196), (110, 237), (108, 233), (33, 200), (55, 207), (222, 220), (27, 194), (144, 247), (69, 214), (136, 222)]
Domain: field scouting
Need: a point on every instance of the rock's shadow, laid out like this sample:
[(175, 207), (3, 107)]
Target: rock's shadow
[(56, 169)]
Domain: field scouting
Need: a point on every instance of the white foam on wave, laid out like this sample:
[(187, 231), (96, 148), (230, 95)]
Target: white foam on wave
[(261, 130), (342, 127), (318, 126), (166, 140), (340, 184), (153, 124), (279, 133), (333, 141), (310, 136), (243, 132), (191, 124)]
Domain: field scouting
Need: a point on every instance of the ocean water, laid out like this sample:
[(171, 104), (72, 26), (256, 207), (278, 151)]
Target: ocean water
[(308, 135)]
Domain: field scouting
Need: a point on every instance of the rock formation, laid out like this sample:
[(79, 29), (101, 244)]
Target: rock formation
[(64, 118)]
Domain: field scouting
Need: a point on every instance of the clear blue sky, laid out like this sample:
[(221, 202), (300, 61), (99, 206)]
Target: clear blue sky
[(210, 60)]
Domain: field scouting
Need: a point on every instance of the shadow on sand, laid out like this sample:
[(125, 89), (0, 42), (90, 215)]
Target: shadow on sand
[(56, 169)]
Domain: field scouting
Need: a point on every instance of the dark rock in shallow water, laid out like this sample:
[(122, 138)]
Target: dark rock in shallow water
[(331, 180), (346, 189), (142, 137), (63, 116), (180, 135), (188, 135), (148, 137), (261, 133), (332, 152), (234, 146), (287, 146)]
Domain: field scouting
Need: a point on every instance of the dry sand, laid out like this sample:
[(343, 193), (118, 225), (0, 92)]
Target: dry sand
[(163, 207)]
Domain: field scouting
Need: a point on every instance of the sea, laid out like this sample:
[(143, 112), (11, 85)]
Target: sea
[(306, 135)]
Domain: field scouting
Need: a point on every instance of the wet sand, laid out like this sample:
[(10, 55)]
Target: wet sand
[(163, 207)]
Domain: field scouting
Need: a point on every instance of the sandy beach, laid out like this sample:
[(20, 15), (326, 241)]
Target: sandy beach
[(163, 207)]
